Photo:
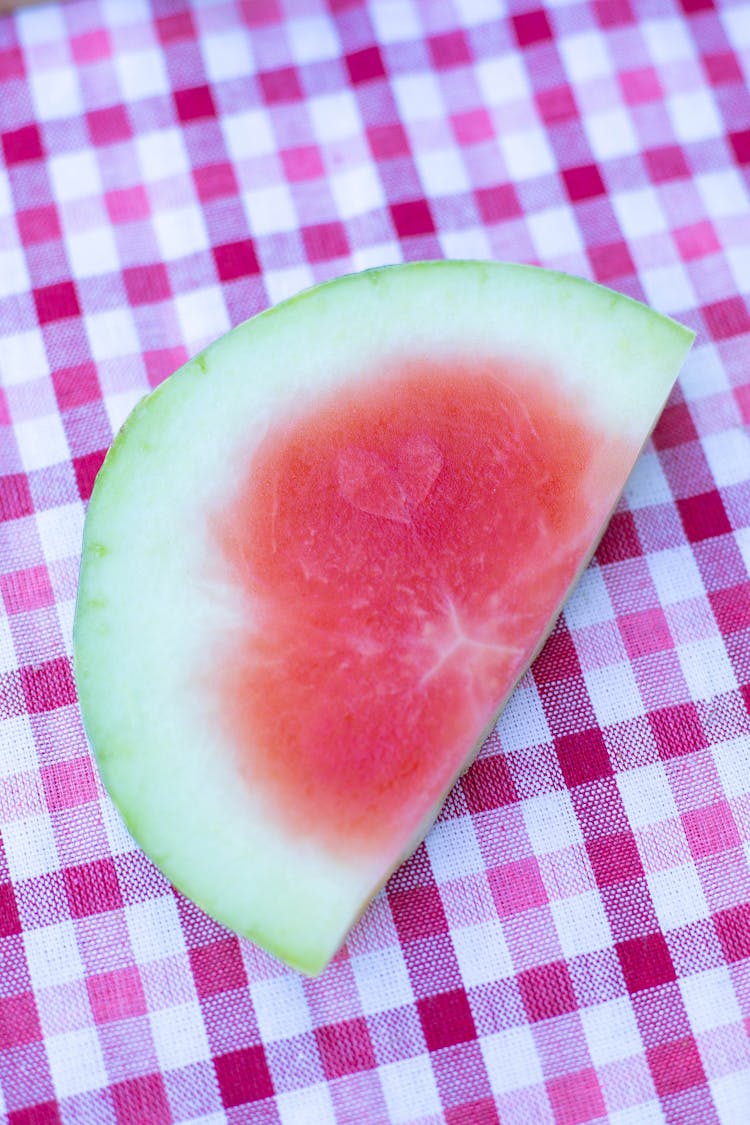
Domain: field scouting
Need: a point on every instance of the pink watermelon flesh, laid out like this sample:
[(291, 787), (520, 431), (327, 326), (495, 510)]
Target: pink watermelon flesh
[(402, 549)]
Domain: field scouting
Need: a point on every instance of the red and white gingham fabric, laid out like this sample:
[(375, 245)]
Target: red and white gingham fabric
[(572, 943)]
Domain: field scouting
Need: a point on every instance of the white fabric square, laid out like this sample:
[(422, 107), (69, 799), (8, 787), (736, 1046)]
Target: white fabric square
[(60, 530), (227, 54), (396, 20), (7, 206), (76, 1062), (731, 1094), (503, 80), (703, 373), (281, 284), (301, 1107), (723, 192), (141, 74), (667, 39), (639, 212), (738, 30), (117, 14), (645, 1113), (75, 175), (611, 1031), (678, 896), (19, 750), (511, 1059), (728, 453), (335, 117), (647, 484), (39, 25), (8, 662), (466, 245), (453, 849), (312, 38), (52, 955), (179, 1036), (614, 694), (555, 233), (418, 96), (442, 172), (382, 254), (473, 12), (482, 953), (551, 822), (161, 155), (118, 837), (202, 315), (382, 980), (92, 252), (119, 406), (56, 93), (41, 442), (523, 722), (30, 847), (270, 210), (280, 1008), (675, 575), (14, 276), (706, 667), (668, 289), (154, 928), (357, 191), (585, 56), (409, 1089), (710, 999), (590, 603), (611, 134), (527, 154), (738, 259), (581, 924), (647, 795), (180, 232), (24, 358), (694, 116), (112, 334), (731, 762), (248, 134)]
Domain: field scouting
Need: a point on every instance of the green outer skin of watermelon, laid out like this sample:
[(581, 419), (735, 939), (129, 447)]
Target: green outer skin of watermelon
[(148, 614)]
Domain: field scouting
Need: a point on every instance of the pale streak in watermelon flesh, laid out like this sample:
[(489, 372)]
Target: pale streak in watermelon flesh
[(319, 557)]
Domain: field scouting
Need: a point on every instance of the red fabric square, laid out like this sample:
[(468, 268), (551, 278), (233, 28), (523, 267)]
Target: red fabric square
[(449, 49), (615, 858), (558, 660), (345, 1047), (141, 1099), (498, 203), (556, 104), (532, 27), (666, 163), (517, 886), (92, 888), (76, 386), (675, 427), (303, 163), (387, 141), (620, 540), (325, 241), (48, 686), (109, 125), (482, 1112), (677, 730), (145, 285), (243, 1076), (38, 224), (56, 302), (10, 923), (576, 1098), (418, 913), (710, 829), (12, 63), (547, 990), (583, 757), (127, 204), (733, 931), (194, 103), (68, 784), (259, 13), (611, 261), (26, 590), (116, 995), (173, 28), (675, 1066), (722, 68), (215, 181), (446, 1019), (236, 259), (645, 962), (703, 516), (583, 182), (489, 784), (412, 217), (85, 469), (727, 318), (697, 5), (613, 13), (45, 1113), (732, 608), (280, 85), (217, 967), (740, 142), (19, 1021), (22, 144), (472, 126), (645, 632), (365, 65)]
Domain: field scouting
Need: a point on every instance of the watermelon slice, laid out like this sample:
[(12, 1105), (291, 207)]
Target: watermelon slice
[(320, 556)]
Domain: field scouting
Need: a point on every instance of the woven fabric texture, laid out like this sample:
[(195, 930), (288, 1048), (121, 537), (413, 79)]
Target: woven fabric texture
[(571, 944)]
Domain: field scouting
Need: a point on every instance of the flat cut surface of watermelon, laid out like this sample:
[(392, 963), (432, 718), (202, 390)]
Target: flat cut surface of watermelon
[(318, 559)]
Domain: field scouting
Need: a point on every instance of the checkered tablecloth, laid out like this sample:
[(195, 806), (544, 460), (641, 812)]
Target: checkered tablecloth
[(572, 942)]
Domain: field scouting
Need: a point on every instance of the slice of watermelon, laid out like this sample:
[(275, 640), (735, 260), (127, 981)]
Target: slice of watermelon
[(319, 557)]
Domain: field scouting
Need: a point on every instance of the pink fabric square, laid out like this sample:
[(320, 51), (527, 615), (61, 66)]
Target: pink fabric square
[(711, 829), (472, 126), (127, 204), (26, 590), (641, 85), (576, 1098), (69, 783), (91, 46), (303, 163), (117, 995), (517, 887), (644, 632), (697, 240)]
